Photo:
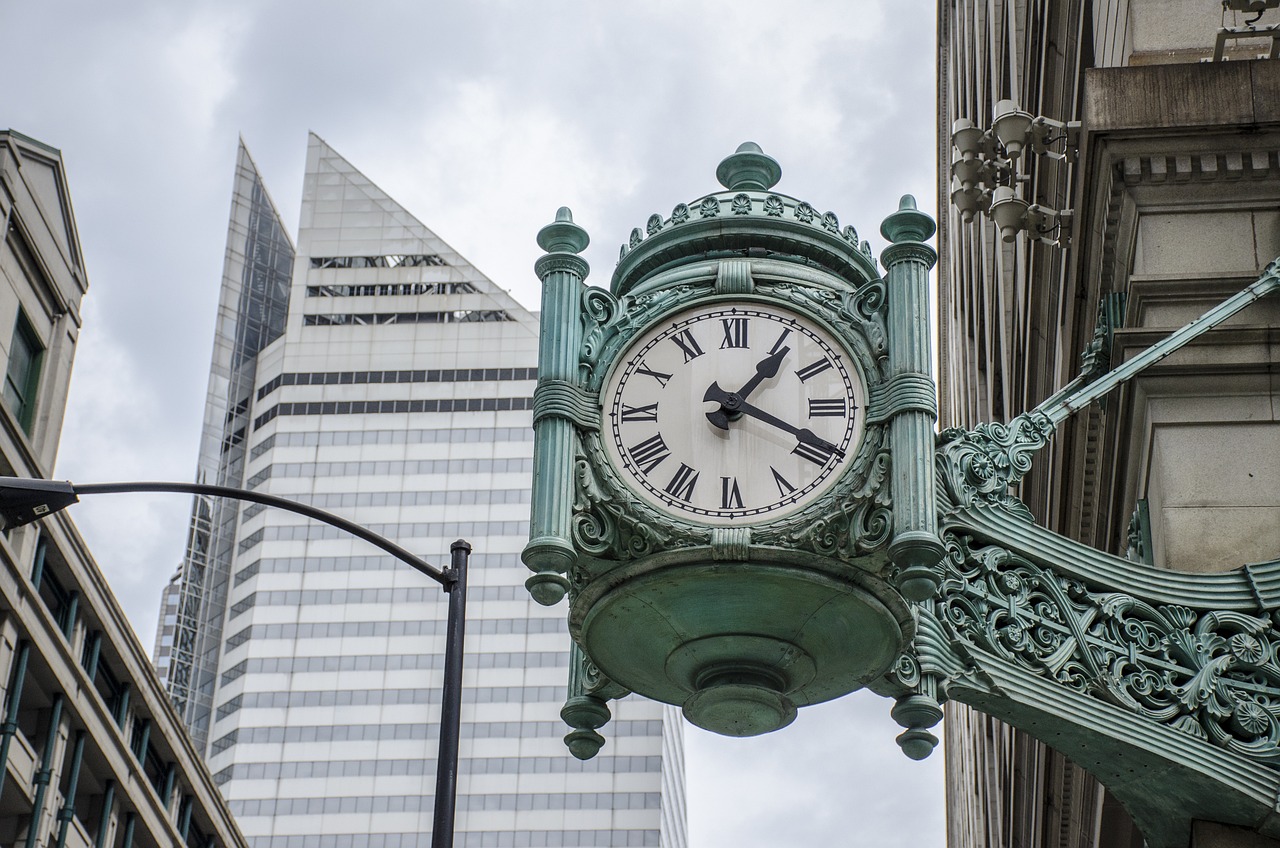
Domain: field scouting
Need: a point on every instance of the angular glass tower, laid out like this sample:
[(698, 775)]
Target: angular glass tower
[(375, 373)]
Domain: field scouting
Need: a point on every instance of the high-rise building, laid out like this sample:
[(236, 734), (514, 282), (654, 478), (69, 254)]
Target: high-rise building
[(1173, 198), (375, 373), (91, 751)]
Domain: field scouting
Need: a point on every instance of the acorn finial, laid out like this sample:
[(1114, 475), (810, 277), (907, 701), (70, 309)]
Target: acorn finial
[(563, 234), (908, 223)]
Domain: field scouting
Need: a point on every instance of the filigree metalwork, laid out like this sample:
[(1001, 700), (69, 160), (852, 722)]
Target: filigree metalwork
[(978, 465), (1213, 674)]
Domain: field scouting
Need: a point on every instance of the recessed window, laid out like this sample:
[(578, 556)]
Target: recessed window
[(22, 378)]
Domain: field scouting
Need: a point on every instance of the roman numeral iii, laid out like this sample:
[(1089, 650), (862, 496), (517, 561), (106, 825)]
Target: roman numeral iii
[(824, 407)]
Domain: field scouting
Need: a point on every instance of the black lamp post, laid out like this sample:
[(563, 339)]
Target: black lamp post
[(24, 500)]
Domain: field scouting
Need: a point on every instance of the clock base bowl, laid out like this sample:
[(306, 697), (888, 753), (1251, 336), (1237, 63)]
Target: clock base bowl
[(739, 645)]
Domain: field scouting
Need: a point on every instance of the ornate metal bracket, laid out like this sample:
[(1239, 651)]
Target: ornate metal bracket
[(977, 466)]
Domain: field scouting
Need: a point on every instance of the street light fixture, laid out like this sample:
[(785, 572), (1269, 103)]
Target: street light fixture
[(989, 167), (24, 500)]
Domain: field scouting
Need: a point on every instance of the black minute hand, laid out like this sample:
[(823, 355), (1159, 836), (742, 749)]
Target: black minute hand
[(735, 404), (765, 368)]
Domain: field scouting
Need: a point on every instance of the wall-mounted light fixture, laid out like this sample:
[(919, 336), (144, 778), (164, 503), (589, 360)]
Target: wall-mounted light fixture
[(986, 173)]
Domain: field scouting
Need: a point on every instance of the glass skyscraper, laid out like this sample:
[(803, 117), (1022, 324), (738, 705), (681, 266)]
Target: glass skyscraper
[(375, 373)]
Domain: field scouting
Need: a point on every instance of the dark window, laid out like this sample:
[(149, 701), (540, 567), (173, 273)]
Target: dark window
[(22, 378)]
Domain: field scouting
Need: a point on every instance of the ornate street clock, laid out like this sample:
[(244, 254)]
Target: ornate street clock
[(739, 489), (714, 472)]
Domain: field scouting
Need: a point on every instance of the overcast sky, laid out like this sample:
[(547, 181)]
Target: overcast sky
[(481, 118)]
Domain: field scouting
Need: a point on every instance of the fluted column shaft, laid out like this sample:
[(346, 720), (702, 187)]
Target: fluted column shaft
[(916, 548), (550, 553)]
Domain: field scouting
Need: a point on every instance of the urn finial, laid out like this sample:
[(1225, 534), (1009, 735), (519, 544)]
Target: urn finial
[(749, 169)]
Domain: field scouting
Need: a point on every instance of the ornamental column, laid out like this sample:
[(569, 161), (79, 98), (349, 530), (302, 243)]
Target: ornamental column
[(911, 400), (550, 552)]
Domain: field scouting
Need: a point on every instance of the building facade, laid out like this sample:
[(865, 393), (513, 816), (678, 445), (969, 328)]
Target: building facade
[(373, 372), (91, 751), (1173, 187)]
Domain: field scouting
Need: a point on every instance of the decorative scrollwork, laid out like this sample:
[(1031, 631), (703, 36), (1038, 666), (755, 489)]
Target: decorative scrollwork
[(655, 223), (831, 223), (599, 310), (979, 465), (709, 207), (773, 206), (680, 213), (805, 213), (1212, 674), (741, 204), (870, 299), (862, 308)]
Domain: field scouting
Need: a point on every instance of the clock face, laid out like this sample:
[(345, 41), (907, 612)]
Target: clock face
[(731, 414)]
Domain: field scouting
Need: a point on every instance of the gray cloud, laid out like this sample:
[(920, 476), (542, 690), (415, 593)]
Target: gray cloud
[(481, 118)]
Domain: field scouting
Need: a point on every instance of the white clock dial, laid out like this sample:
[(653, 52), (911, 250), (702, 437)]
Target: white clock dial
[(733, 414)]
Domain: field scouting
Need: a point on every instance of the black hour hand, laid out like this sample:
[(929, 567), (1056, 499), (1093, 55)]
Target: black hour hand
[(765, 368)]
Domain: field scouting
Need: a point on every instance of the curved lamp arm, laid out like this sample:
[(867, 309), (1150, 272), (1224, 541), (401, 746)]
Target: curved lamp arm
[(23, 500)]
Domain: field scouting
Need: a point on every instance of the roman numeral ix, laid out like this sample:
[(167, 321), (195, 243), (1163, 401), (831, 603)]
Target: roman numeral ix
[(648, 412)]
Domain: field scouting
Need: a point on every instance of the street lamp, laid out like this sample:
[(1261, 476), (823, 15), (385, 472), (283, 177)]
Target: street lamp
[(24, 500)]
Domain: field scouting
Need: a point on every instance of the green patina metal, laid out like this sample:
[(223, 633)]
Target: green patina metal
[(917, 573)]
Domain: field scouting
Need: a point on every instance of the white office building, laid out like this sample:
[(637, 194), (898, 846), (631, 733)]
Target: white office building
[(373, 372)]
